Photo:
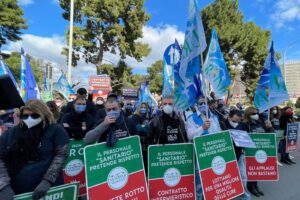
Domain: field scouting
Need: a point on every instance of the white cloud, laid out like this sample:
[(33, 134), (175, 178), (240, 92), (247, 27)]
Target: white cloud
[(49, 49), (25, 2), (286, 11)]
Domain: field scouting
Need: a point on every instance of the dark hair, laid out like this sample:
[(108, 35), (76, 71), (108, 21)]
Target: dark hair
[(81, 91), (235, 112), (54, 109), (79, 99)]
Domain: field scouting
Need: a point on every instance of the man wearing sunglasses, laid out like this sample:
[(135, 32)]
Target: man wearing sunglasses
[(167, 128), (115, 125)]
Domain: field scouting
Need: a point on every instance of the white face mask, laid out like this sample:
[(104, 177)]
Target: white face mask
[(233, 124), (99, 102), (254, 117), (168, 109), (30, 122), (274, 112)]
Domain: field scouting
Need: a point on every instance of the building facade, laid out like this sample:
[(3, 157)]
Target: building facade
[(291, 73)]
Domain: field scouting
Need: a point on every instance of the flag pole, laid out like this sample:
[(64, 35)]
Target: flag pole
[(70, 41), (205, 89)]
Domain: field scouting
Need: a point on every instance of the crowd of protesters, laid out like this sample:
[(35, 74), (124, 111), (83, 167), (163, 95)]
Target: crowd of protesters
[(37, 145)]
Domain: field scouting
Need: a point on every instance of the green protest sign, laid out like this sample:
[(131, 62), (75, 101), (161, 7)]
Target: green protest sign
[(74, 169), (171, 171), (62, 192), (218, 167), (261, 162), (116, 172)]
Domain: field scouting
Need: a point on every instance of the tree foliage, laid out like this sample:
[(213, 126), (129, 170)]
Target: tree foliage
[(14, 64), (242, 43), (107, 26), (155, 76), (11, 21)]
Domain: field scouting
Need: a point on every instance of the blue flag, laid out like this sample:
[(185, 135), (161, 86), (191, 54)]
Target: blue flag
[(4, 69), (29, 88), (62, 86), (271, 90), (215, 69), (145, 95)]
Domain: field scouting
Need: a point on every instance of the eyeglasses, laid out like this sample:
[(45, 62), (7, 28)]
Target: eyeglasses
[(170, 104), (33, 116), (80, 104), (110, 109), (254, 114)]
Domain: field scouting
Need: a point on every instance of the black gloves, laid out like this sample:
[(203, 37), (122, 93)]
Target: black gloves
[(7, 193), (41, 190)]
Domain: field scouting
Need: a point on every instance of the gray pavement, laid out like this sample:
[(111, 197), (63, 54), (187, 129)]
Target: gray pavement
[(288, 186)]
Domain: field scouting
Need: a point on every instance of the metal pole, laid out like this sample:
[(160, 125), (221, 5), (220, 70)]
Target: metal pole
[(70, 41)]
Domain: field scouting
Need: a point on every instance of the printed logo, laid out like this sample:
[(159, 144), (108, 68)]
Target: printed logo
[(172, 177), (261, 156), (218, 165), (117, 178), (74, 167)]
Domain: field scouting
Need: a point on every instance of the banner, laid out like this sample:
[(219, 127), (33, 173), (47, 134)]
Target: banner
[(171, 171), (242, 139), (74, 169), (220, 176), (116, 172), (131, 93), (291, 137), (261, 162), (100, 82), (62, 192)]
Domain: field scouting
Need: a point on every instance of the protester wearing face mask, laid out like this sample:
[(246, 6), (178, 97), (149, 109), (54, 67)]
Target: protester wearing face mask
[(212, 115), (90, 106), (167, 128), (32, 154), (128, 109), (286, 118), (100, 110), (115, 125), (78, 122), (234, 122), (252, 124), (274, 118)]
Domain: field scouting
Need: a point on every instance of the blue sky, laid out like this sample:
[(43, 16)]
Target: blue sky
[(47, 27)]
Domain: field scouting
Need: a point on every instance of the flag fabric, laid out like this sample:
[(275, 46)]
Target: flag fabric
[(187, 81), (170, 57), (62, 86), (4, 69), (271, 90), (215, 69), (145, 95), (29, 88)]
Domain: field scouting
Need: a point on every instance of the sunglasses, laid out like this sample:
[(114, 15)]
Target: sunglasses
[(170, 104), (33, 116), (110, 109), (254, 114)]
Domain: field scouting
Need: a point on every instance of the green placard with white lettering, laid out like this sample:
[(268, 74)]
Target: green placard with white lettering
[(115, 172), (62, 192), (74, 169), (261, 162), (171, 171), (218, 167)]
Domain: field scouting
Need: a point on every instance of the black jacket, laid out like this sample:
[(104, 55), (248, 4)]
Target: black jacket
[(124, 127), (158, 129), (76, 121), (283, 122), (225, 125)]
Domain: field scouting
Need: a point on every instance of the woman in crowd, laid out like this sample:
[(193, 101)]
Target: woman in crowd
[(32, 154), (252, 124), (141, 119), (274, 118), (286, 118), (78, 122), (233, 122), (55, 111)]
